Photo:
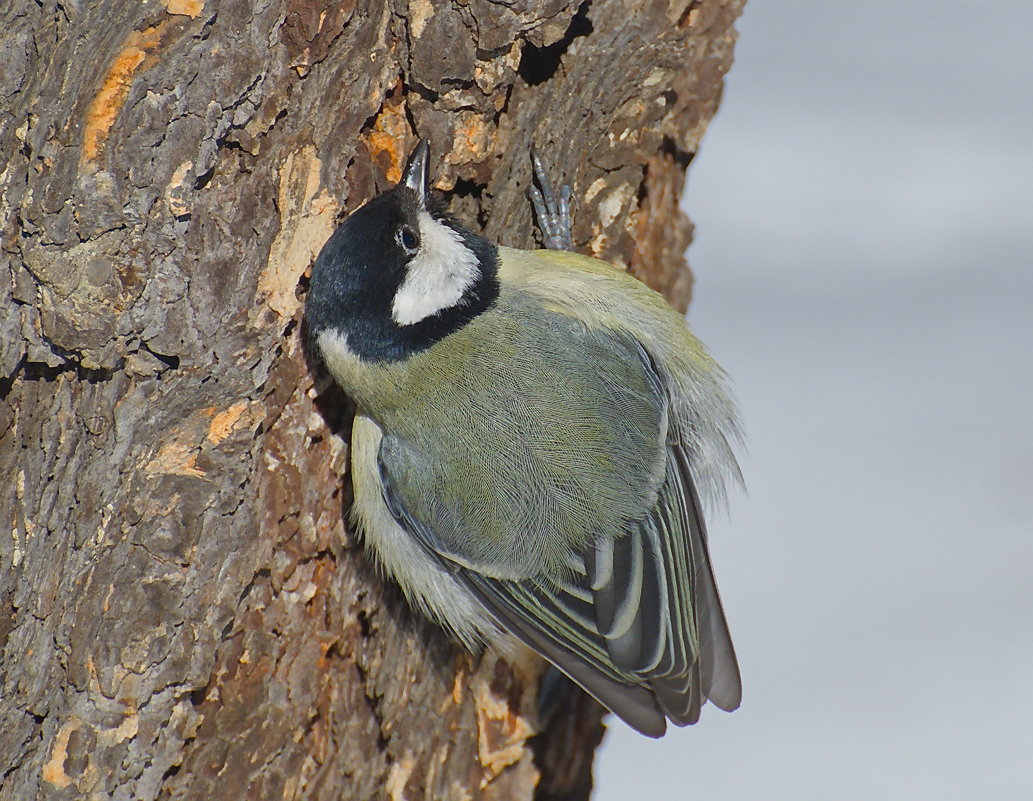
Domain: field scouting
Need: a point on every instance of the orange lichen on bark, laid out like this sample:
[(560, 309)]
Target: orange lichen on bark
[(457, 687), (474, 139), (186, 8), (390, 132), (176, 459), (223, 422), (108, 102), (54, 770)]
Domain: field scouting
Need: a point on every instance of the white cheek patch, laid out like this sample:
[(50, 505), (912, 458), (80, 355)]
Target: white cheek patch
[(438, 276)]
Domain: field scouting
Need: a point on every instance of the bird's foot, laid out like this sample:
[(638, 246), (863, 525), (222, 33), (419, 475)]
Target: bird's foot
[(552, 212)]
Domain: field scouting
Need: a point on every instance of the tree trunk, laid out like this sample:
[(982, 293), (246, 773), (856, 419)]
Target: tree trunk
[(184, 612)]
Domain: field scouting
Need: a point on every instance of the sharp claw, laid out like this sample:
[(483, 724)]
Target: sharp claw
[(539, 172)]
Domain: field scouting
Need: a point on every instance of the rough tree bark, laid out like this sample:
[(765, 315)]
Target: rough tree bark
[(183, 610)]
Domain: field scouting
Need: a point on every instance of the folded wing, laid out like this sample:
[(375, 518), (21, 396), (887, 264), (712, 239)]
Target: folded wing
[(636, 619)]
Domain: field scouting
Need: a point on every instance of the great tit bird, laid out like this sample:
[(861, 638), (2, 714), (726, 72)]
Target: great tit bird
[(535, 430)]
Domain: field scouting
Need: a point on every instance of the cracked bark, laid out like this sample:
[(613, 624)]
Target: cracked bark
[(183, 610)]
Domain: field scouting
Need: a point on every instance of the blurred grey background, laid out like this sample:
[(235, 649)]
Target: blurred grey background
[(864, 263)]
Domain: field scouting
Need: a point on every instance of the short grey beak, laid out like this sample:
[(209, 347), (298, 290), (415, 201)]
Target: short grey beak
[(414, 175)]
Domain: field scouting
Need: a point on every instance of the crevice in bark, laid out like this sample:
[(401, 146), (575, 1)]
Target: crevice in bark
[(205, 178), (683, 20), (40, 371), (539, 64), (7, 382), (669, 147), (430, 95), (170, 361), (559, 751)]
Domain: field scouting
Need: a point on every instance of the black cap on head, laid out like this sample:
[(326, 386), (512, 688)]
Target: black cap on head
[(363, 267)]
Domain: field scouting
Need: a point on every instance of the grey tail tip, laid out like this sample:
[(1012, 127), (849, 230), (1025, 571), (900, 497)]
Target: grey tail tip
[(415, 174)]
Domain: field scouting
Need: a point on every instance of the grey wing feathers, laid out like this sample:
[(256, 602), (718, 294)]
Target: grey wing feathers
[(636, 621), (546, 621), (719, 667)]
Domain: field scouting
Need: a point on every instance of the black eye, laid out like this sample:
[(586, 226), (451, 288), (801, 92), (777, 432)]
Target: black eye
[(407, 238)]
